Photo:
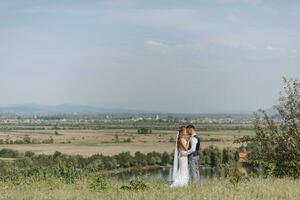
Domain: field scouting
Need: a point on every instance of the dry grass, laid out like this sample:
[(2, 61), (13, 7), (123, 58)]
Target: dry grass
[(89, 142), (269, 189)]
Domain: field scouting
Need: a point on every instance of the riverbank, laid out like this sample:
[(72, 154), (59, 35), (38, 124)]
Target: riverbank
[(210, 189)]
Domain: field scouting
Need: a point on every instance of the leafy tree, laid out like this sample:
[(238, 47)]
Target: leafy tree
[(228, 155), (141, 159), (124, 159), (29, 154), (9, 153), (275, 147), (215, 157), (27, 140), (165, 159), (144, 131)]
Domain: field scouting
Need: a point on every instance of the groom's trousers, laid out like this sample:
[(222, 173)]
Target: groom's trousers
[(194, 168)]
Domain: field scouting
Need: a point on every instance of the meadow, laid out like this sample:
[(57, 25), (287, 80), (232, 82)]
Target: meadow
[(269, 189), (73, 177)]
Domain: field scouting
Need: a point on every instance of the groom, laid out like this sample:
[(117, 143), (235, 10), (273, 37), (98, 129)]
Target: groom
[(193, 154)]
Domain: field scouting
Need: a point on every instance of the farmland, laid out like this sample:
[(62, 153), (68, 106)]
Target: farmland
[(108, 141)]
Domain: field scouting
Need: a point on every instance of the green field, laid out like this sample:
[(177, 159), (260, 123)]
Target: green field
[(271, 189)]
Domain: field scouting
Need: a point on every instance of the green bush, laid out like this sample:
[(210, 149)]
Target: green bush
[(233, 174), (144, 131), (135, 184), (29, 154), (165, 159), (27, 140), (124, 159), (8, 153), (98, 184), (95, 166), (4, 167)]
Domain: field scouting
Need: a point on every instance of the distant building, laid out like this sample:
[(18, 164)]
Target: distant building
[(157, 117)]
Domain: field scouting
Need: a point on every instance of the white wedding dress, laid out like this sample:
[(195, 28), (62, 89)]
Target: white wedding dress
[(180, 176)]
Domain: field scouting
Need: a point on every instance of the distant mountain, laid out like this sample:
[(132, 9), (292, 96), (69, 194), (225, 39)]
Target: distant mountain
[(60, 109)]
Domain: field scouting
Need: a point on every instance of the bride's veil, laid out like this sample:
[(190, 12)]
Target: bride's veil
[(175, 162)]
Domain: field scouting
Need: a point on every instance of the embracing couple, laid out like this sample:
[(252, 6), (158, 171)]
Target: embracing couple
[(186, 157)]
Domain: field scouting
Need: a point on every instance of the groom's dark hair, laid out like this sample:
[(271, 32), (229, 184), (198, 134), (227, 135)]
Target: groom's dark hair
[(191, 126)]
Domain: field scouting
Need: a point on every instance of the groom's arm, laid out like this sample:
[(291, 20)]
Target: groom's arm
[(193, 146)]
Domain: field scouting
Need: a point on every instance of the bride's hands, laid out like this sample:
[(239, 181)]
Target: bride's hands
[(183, 153)]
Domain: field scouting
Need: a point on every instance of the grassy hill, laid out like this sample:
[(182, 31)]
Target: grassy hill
[(211, 189)]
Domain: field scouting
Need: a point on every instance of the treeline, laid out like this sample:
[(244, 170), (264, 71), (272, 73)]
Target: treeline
[(58, 164), (153, 125), (27, 140)]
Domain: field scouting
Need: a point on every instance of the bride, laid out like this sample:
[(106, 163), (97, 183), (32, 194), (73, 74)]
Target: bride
[(180, 176)]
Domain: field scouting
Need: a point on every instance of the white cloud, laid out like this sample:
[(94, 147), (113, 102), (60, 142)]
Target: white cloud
[(155, 43), (276, 49)]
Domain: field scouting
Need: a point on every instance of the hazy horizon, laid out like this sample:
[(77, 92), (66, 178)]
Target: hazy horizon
[(200, 56), (112, 110)]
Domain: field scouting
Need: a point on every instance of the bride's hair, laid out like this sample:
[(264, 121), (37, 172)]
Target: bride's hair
[(181, 130)]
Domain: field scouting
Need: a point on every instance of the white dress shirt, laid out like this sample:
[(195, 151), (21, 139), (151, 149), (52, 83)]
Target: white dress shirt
[(193, 145)]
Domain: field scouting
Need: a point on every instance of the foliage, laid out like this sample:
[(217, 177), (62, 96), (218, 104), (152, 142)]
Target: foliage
[(8, 153), (29, 154), (136, 184), (27, 140), (144, 131), (69, 168), (232, 172), (275, 147), (99, 183)]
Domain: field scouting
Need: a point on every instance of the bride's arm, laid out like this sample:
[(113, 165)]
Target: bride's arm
[(184, 144)]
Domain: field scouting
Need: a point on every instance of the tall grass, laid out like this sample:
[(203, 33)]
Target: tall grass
[(210, 189)]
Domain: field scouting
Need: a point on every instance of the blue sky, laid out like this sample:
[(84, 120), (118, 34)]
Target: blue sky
[(173, 56)]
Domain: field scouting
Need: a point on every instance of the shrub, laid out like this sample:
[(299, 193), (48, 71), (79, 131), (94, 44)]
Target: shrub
[(98, 184), (124, 159), (128, 140), (228, 155), (57, 154), (29, 154), (233, 173), (95, 166), (165, 159), (18, 141), (144, 131), (135, 184), (68, 173), (48, 141), (8, 153), (27, 140), (4, 167)]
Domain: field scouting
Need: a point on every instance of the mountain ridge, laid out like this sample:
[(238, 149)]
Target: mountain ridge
[(61, 109)]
